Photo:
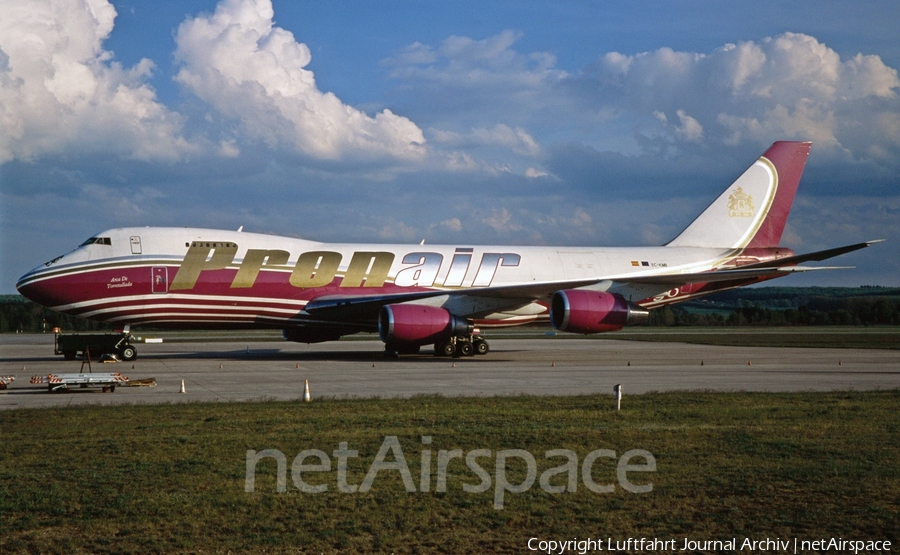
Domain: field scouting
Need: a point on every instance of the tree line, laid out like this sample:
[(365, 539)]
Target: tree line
[(744, 307), (815, 311), (19, 315)]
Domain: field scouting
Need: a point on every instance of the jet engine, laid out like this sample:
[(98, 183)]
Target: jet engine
[(414, 324), (584, 311)]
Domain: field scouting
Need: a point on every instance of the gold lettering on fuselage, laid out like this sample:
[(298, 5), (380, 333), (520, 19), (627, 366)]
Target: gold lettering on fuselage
[(315, 269), (320, 268), (198, 259), (254, 261), (369, 267)]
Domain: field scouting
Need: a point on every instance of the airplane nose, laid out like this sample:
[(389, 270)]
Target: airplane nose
[(44, 290)]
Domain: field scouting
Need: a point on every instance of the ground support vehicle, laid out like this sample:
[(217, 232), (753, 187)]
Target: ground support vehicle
[(63, 382), (74, 345)]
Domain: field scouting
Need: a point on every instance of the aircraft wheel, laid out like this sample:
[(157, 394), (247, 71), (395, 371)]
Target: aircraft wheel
[(466, 350), (128, 353), (445, 349), (482, 347)]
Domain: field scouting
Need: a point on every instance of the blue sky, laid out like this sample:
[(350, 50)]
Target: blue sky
[(567, 123)]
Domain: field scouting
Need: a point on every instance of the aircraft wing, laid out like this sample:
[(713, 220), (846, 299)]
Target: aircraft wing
[(364, 309)]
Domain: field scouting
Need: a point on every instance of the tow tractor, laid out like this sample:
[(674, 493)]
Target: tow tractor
[(72, 345)]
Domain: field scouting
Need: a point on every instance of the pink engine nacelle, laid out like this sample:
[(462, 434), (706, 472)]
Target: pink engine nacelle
[(414, 324), (584, 311)]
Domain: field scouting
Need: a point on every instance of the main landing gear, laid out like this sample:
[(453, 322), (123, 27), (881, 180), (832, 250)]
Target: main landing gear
[(457, 346), (462, 346)]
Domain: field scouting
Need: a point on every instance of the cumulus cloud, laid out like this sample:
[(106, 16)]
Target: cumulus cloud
[(463, 62), (465, 82), (790, 86), (501, 221), (516, 139), (786, 87), (494, 146), (688, 129), (243, 65), (453, 224), (60, 91)]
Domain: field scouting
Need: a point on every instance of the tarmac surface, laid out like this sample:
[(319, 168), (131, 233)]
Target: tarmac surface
[(269, 370)]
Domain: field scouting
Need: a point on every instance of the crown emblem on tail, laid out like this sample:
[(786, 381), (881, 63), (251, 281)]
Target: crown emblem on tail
[(740, 204)]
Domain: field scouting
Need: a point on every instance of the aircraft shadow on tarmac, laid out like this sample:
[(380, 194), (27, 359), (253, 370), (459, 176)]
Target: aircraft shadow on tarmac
[(249, 354), (426, 356)]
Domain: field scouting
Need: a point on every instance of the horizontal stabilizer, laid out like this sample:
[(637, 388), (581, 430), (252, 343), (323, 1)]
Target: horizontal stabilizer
[(813, 256), (724, 275), (771, 268)]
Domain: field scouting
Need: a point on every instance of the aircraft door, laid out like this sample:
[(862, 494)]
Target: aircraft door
[(135, 245), (159, 279)]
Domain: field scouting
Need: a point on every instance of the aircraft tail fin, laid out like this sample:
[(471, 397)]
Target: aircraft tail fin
[(753, 210)]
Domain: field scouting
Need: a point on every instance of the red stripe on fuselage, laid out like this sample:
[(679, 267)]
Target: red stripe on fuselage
[(126, 294)]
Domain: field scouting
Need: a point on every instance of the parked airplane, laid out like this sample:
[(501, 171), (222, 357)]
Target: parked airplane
[(424, 294)]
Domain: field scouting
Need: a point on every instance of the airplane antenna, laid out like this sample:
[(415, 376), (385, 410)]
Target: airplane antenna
[(423, 242), (240, 229)]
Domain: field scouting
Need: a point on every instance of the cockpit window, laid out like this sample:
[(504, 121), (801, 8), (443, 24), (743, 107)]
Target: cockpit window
[(97, 241)]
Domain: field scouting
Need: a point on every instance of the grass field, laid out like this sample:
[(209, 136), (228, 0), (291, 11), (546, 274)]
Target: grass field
[(832, 337), (172, 478)]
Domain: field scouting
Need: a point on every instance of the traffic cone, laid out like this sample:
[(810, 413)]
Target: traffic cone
[(306, 397), (182, 387)]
